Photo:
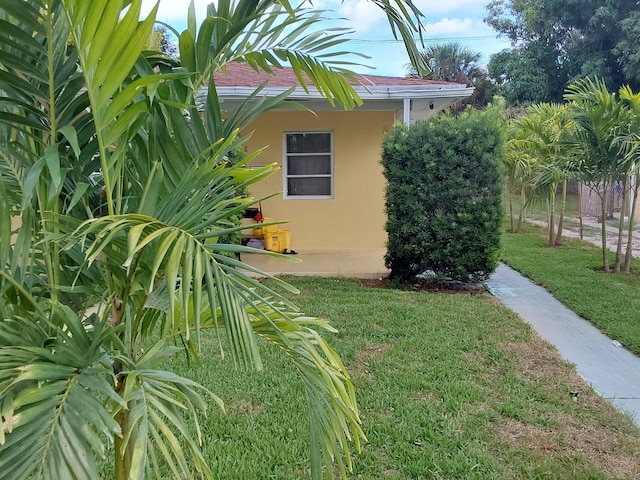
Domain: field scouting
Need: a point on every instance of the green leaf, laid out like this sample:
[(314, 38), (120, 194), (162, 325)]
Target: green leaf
[(5, 224), (31, 181), (52, 158), (71, 135), (78, 194), (188, 51)]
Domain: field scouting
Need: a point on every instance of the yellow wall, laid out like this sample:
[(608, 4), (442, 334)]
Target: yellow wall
[(355, 217)]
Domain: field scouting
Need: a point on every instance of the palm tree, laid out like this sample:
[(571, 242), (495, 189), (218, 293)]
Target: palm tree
[(539, 136), (124, 191), (630, 143), (452, 62), (600, 120), (518, 173)]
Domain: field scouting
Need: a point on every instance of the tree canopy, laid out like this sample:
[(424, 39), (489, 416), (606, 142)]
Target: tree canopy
[(556, 42), (453, 62)]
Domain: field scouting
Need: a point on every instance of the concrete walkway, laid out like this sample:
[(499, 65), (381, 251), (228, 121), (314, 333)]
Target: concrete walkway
[(612, 371)]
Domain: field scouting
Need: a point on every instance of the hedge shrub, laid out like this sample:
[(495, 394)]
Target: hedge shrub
[(443, 198)]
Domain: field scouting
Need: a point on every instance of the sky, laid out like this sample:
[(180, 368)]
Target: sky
[(446, 21)]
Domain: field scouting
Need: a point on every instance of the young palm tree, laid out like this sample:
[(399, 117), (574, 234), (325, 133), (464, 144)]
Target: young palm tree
[(600, 120), (540, 135), (518, 173), (123, 191), (630, 144)]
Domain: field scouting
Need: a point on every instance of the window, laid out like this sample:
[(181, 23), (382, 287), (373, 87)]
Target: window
[(308, 165)]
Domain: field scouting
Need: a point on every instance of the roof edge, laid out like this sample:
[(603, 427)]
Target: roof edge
[(393, 92)]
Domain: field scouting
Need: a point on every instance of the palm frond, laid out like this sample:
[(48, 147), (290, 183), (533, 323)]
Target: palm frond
[(333, 411), (53, 372), (155, 432)]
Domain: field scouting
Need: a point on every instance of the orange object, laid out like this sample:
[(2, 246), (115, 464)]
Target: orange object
[(258, 216)]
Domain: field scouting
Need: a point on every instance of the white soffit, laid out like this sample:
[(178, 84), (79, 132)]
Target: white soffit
[(392, 92)]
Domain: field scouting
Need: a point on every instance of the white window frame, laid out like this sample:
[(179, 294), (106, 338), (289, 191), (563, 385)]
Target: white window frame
[(285, 163)]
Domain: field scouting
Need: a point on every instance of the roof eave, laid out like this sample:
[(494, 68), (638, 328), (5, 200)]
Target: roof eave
[(390, 92)]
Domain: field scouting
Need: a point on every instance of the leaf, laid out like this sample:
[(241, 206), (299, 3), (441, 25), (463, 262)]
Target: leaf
[(67, 405), (5, 224), (72, 137), (52, 158), (79, 192), (31, 181), (187, 51)]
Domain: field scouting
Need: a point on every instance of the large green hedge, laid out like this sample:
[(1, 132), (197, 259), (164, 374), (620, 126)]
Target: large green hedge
[(444, 195)]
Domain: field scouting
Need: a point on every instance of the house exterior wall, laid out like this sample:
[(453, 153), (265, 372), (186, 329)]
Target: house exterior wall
[(354, 218)]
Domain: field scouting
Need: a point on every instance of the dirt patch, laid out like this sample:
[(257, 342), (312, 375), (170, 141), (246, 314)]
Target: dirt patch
[(539, 361), (375, 282), (364, 356), (451, 287), (601, 442), (244, 406), (541, 364), (606, 449)]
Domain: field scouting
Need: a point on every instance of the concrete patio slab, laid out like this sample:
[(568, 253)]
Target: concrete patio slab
[(335, 263), (612, 371)]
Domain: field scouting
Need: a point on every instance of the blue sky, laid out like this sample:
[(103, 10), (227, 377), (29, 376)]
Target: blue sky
[(447, 20)]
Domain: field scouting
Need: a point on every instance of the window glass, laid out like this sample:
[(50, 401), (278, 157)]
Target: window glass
[(314, 186), (308, 165), (308, 143)]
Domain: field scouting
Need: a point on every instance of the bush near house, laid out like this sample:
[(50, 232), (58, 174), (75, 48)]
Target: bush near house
[(443, 196)]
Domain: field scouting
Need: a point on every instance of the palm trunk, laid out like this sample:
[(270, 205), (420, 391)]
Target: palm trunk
[(552, 207), (563, 206), (121, 467), (603, 229), (523, 200), (623, 207), (511, 212), (632, 216), (120, 472), (580, 185)]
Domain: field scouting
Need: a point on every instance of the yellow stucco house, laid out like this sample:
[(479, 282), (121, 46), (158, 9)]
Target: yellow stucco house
[(331, 187)]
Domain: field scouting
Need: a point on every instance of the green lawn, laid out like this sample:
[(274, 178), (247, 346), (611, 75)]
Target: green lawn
[(537, 209), (449, 387), (572, 274)]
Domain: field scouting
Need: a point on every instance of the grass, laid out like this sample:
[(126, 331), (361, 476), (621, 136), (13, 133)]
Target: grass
[(572, 274), (449, 387), (537, 209)]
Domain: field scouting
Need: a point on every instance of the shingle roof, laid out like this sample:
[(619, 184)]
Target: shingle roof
[(242, 75)]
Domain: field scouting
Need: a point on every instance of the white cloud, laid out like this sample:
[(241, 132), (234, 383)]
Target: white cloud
[(450, 27), (432, 8), (175, 10), (362, 14)]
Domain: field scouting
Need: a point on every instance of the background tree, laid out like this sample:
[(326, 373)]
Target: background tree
[(626, 48), (124, 192), (565, 40), (520, 79), (161, 40), (452, 62)]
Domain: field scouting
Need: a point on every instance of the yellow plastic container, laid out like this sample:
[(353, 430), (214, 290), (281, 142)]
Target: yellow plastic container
[(285, 239), (265, 231), (278, 241), (272, 243)]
